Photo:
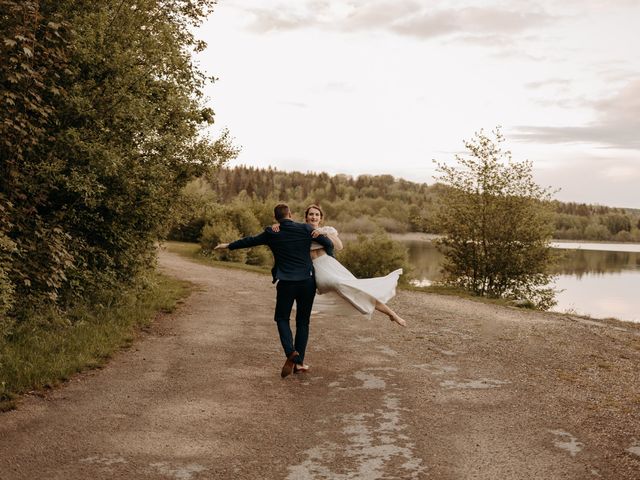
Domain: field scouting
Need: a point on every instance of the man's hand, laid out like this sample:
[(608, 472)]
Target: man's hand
[(220, 246)]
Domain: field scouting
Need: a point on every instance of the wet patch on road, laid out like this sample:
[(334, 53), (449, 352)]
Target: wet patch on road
[(373, 445), (105, 460), (368, 445), (436, 368), (566, 441), (479, 384), (185, 472), (634, 448)]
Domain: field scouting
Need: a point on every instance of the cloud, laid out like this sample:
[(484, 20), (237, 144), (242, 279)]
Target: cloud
[(267, 20), (401, 17), (616, 125), (551, 82), (339, 87), (294, 104), (486, 21)]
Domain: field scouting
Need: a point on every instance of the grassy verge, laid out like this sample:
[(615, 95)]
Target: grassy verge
[(193, 252), (47, 349)]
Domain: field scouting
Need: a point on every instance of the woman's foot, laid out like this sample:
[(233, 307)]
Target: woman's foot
[(300, 368), (398, 320)]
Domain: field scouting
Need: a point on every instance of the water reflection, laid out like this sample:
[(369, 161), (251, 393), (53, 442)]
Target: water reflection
[(581, 262), (597, 283)]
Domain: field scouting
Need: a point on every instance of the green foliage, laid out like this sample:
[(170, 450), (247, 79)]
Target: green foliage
[(497, 225), (259, 256), (222, 232), (228, 223), (362, 204), (596, 232), (375, 256), (6, 286), (101, 127), (575, 221)]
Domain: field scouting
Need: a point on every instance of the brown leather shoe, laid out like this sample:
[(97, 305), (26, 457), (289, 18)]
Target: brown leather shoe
[(287, 368)]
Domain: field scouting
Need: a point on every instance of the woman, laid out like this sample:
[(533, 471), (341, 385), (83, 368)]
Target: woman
[(340, 290)]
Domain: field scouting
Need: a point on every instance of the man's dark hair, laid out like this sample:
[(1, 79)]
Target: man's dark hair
[(281, 211)]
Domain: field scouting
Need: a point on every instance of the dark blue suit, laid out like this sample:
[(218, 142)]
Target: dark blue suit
[(296, 282)]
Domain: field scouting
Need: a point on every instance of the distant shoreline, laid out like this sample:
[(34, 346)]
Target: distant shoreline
[(555, 243)]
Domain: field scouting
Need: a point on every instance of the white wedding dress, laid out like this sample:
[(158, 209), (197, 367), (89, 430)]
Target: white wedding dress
[(341, 293)]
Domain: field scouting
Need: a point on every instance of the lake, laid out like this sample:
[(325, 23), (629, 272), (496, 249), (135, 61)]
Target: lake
[(596, 279)]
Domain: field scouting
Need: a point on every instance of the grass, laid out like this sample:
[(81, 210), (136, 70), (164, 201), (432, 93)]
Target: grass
[(193, 252), (48, 349)]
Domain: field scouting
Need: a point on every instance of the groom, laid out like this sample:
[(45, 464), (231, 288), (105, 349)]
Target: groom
[(293, 272)]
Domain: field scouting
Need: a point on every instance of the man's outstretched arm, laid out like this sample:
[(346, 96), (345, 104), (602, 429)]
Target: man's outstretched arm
[(246, 242)]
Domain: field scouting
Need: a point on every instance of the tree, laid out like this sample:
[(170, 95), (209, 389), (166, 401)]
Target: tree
[(496, 223), (101, 127)]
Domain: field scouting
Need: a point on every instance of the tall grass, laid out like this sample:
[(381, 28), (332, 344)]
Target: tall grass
[(48, 349)]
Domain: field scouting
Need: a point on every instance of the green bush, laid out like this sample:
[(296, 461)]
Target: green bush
[(259, 256), (222, 232), (375, 256)]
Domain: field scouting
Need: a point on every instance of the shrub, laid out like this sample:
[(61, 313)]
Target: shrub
[(260, 255), (392, 225), (375, 256), (623, 236), (222, 232), (359, 225)]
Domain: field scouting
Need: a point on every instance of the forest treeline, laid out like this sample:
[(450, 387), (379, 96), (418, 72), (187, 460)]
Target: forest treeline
[(367, 203)]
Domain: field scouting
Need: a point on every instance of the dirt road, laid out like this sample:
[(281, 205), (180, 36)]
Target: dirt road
[(467, 391)]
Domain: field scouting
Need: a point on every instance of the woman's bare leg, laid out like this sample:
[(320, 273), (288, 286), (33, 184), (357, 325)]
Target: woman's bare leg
[(393, 316)]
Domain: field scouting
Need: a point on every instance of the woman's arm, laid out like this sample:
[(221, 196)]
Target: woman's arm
[(337, 243), (332, 234)]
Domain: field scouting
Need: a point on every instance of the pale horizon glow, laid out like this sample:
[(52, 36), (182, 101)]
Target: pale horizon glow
[(384, 87)]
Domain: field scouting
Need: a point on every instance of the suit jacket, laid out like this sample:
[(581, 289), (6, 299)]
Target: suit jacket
[(290, 249)]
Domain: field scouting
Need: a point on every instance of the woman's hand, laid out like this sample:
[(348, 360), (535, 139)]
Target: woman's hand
[(316, 233), (220, 246), (275, 227)]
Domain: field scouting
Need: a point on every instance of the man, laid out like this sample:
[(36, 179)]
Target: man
[(293, 272)]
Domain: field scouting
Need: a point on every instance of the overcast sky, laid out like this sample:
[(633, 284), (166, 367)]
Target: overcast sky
[(366, 86)]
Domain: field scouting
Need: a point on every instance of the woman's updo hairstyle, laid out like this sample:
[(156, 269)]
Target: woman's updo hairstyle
[(313, 205)]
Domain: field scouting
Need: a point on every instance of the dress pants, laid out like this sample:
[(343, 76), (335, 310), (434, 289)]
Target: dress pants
[(302, 292)]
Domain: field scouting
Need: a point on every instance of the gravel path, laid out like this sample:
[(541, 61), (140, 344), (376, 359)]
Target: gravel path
[(467, 391)]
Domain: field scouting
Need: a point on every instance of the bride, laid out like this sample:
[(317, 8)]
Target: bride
[(340, 291)]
